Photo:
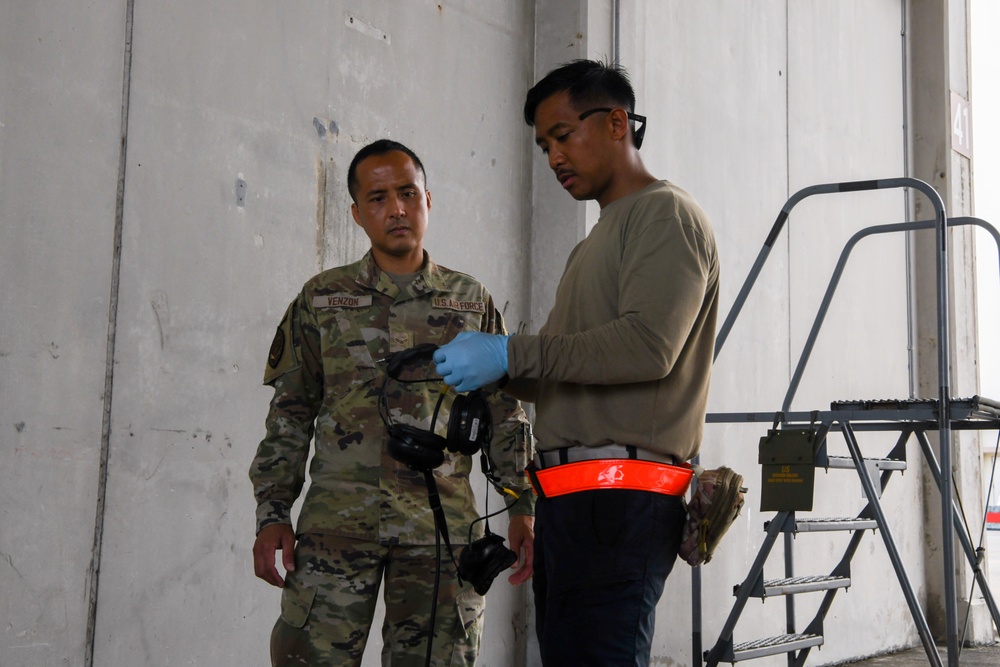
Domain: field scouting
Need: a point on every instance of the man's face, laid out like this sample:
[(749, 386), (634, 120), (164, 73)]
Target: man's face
[(577, 149), (392, 207)]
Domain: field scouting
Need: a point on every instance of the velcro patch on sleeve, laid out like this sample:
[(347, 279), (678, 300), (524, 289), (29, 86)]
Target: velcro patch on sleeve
[(281, 357), (277, 349)]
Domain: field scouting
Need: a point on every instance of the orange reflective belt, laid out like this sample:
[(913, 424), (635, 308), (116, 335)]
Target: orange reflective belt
[(611, 474)]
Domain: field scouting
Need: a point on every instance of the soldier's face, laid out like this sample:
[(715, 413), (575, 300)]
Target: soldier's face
[(392, 207), (576, 149)]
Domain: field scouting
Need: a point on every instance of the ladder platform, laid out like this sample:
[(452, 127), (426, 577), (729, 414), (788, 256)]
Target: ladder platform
[(976, 412), (847, 463), (777, 645), (796, 585), (959, 408), (827, 524)]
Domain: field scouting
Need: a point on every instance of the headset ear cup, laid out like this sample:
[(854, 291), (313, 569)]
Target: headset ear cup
[(481, 562), (415, 448), (470, 425), (456, 436)]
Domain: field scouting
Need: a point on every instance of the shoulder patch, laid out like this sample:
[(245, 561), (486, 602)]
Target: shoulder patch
[(282, 356), (277, 348)]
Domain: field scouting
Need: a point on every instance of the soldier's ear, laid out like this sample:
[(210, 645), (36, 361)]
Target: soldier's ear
[(617, 121), (428, 194), (355, 215)]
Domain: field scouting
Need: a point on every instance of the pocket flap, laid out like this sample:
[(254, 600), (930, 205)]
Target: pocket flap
[(471, 606), (295, 604)]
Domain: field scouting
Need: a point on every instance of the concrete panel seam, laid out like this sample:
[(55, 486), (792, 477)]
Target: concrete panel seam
[(93, 573)]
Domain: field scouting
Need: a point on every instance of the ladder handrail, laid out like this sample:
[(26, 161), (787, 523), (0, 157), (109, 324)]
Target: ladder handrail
[(943, 347), (828, 188), (842, 265)]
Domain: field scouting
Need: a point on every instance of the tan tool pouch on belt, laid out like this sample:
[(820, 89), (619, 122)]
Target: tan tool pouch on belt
[(715, 503)]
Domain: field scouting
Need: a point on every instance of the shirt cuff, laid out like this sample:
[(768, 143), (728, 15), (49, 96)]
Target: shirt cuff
[(525, 504), (271, 512)]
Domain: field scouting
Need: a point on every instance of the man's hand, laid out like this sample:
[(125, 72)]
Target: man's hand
[(269, 540), (521, 535), (472, 360)]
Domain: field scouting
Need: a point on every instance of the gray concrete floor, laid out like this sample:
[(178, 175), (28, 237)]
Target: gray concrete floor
[(974, 656)]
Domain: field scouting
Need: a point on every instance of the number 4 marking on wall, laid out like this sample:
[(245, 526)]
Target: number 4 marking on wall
[(961, 125)]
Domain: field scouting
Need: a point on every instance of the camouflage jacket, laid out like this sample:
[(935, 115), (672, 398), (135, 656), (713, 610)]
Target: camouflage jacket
[(327, 368)]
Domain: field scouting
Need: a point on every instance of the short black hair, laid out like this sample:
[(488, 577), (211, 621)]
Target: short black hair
[(378, 147), (588, 82)]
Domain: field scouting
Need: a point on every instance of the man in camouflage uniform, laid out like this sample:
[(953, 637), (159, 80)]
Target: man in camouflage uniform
[(366, 517)]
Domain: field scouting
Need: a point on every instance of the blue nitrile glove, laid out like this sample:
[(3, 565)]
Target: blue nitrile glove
[(472, 360)]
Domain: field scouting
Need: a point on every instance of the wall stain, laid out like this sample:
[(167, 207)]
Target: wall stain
[(19, 427), (156, 468), (320, 127), (162, 312), (321, 176), (10, 561)]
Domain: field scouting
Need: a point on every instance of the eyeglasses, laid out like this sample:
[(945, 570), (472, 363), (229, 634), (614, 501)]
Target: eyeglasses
[(636, 134)]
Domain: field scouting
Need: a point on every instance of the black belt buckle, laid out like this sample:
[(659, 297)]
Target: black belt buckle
[(530, 469)]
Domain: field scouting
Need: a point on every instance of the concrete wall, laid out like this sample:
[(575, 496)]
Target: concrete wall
[(60, 101), (242, 118)]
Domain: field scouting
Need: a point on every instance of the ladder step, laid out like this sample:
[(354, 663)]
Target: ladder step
[(795, 585), (829, 524), (846, 462), (760, 648)]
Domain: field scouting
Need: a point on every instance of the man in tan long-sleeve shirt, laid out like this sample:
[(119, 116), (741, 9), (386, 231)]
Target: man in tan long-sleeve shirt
[(619, 375)]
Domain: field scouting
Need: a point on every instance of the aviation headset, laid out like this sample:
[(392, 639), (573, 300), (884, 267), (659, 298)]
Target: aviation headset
[(470, 429), (470, 426)]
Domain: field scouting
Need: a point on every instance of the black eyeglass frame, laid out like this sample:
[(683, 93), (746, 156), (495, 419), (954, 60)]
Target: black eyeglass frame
[(637, 134)]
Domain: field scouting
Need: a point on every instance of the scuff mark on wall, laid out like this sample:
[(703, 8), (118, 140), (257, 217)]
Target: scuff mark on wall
[(53, 453), (159, 463), (162, 313), (10, 561), (320, 127)]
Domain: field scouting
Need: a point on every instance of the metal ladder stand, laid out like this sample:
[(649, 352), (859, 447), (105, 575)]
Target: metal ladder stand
[(910, 417)]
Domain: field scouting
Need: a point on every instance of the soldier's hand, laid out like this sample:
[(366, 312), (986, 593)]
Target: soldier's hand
[(521, 534), (269, 540)]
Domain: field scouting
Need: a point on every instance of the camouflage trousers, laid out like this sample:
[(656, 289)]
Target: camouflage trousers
[(328, 604)]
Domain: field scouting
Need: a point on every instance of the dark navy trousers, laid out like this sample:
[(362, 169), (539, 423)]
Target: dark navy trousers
[(601, 561)]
